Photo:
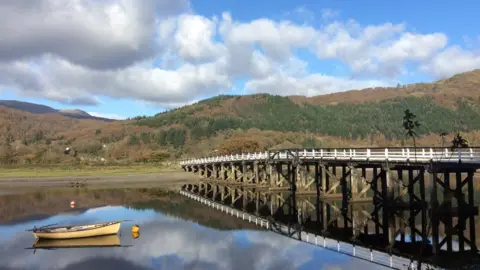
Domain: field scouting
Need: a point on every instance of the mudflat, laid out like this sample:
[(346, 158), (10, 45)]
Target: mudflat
[(169, 178)]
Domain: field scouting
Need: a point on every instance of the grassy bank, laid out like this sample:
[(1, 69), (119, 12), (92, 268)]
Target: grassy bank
[(82, 170)]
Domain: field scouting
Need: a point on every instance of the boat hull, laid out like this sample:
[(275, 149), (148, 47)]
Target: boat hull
[(99, 231)]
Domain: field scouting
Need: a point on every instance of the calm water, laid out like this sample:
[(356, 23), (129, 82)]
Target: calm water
[(175, 233)]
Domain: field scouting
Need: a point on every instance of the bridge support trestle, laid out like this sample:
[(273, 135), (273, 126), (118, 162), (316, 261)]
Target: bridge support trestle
[(413, 209)]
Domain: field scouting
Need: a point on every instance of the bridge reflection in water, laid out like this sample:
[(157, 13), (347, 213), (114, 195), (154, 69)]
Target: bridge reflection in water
[(401, 205)]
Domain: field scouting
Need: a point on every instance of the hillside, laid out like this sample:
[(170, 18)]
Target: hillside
[(225, 124), (350, 121), (42, 138), (42, 109), (445, 106)]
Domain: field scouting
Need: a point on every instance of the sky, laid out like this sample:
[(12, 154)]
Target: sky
[(123, 58)]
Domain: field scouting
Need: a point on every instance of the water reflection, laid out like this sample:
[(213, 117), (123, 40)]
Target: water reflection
[(88, 242), (359, 223), (168, 242)]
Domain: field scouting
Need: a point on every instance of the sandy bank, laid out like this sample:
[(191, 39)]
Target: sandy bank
[(146, 180)]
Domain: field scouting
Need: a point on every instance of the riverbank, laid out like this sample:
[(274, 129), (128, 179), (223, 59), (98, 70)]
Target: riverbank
[(159, 179), (83, 170)]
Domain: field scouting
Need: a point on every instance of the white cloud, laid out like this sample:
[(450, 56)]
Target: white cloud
[(276, 38), (107, 115), (162, 52), (65, 82), (96, 34), (451, 61), (194, 38), (379, 49), (311, 85)]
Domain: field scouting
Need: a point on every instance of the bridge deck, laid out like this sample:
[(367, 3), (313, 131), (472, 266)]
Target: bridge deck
[(393, 155)]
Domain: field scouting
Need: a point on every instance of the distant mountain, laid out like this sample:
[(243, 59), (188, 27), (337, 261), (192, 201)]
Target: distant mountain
[(43, 109), (27, 106)]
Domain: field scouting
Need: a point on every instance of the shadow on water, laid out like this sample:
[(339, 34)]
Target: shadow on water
[(176, 233)]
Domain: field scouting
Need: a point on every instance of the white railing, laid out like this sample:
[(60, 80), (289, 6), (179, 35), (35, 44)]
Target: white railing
[(374, 256), (421, 155)]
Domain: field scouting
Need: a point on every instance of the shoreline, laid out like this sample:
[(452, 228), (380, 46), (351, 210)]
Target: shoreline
[(160, 179), (83, 171)]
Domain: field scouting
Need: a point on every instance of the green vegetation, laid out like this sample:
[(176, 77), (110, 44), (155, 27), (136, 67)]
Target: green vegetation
[(174, 137), (351, 121), (171, 137)]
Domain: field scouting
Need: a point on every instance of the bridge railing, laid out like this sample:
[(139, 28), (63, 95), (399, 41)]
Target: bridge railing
[(418, 155)]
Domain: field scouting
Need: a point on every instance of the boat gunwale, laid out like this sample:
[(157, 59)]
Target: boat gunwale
[(49, 229)]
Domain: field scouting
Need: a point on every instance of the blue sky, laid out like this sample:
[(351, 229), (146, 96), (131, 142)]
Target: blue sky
[(170, 53)]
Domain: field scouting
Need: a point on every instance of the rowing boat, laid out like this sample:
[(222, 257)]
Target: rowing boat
[(98, 241), (77, 231)]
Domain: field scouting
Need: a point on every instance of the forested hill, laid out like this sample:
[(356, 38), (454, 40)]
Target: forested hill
[(234, 124), (449, 105)]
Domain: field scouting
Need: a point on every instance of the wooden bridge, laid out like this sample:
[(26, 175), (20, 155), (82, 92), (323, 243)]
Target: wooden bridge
[(420, 193)]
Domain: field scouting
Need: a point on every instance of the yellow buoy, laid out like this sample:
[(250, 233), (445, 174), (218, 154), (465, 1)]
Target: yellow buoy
[(135, 228)]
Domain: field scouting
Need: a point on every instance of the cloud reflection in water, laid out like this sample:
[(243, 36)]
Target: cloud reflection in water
[(170, 243)]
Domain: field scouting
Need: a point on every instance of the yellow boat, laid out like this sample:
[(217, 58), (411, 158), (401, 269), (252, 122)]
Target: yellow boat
[(77, 231), (99, 241)]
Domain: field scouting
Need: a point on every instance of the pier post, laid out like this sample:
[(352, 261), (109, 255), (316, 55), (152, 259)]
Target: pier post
[(222, 172), (447, 214), (386, 201), (434, 215), (473, 212), (244, 172), (318, 188)]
